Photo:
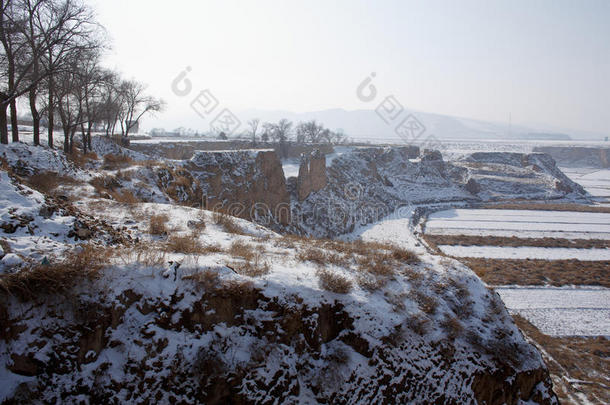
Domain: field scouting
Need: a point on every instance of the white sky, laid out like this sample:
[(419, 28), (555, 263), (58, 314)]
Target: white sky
[(547, 62)]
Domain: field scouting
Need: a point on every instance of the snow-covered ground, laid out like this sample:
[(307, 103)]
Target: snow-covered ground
[(595, 181), (525, 252), (291, 165), (562, 311), (520, 223)]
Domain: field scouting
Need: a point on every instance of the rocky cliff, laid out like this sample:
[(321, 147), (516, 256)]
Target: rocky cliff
[(370, 183), (247, 183)]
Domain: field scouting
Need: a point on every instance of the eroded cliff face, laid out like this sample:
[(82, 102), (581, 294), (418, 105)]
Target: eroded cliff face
[(215, 342), (248, 184), (370, 183), (312, 174)]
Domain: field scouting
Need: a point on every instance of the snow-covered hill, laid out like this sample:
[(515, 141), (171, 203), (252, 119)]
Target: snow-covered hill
[(191, 306)]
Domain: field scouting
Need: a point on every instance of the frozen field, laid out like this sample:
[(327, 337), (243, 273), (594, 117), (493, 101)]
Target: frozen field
[(520, 223), (526, 252), (559, 311), (595, 181)]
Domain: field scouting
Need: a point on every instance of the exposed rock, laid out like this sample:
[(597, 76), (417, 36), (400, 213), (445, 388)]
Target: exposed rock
[(249, 184), (472, 186), (312, 174)]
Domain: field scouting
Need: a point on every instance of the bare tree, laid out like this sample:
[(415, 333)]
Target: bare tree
[(253, 129), (309, 131), (135, 104)]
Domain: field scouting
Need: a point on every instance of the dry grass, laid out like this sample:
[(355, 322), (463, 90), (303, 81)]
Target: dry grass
[(146, 255), (56, 278), (427, 303), (79, 159), (313, 255), (113, 162), (540, 272), (183, 244), (157, 224), (241, 249), (334, 282), (48, 182), (370, 282), (578, 366), (125, 197), (227, 222), (547, 207), (254, 267), (513, 241), (452, 326)]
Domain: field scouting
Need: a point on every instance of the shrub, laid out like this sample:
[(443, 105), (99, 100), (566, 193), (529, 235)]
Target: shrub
[(157, 224), (334, 282)]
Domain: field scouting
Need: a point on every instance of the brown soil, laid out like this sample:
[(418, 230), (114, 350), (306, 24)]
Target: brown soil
[(540, 272), (467, 240), (547, 207), (578, 366)]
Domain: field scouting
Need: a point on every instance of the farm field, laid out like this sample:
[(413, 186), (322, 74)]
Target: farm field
[(526, 252), (520, 223), (561, 311), (595, 181)]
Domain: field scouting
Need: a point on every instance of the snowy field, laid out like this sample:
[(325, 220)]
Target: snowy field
[(562, 311), (520, 223), (525, 252), (595, 181)]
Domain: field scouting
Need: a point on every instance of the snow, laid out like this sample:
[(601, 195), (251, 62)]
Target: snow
[(595, 181), (521, 223), (526, 252), (561, 311)]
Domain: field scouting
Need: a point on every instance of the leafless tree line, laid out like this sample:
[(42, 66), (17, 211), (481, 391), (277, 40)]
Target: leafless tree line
[(285, 130), (50, 54)]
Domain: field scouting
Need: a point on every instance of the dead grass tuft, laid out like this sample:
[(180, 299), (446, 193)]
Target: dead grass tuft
[(227, 222), (57, 278), (241, 249), (183, 244), (426, 303), (254, 267), (47, 182), (113, 162), (157, 224), (452, 326), (334, 282)]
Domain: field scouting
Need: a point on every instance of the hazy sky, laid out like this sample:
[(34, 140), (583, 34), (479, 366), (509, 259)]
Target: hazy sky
[(546, 62)]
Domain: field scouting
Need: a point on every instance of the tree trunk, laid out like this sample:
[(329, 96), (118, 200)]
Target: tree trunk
[(35, 118), (51, 112), (3, 123), (14, 123), (89, 137), (83, 138)]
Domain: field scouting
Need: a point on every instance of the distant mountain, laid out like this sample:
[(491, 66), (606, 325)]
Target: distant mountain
[(368, 125)]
